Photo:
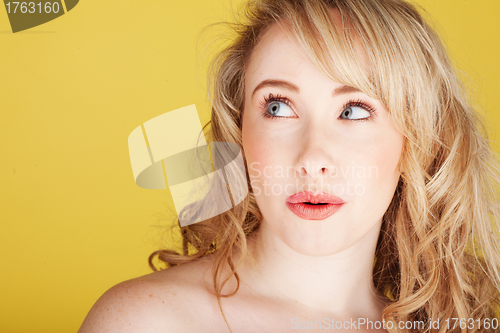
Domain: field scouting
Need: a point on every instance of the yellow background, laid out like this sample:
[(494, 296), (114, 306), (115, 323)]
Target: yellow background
[(73, 222)]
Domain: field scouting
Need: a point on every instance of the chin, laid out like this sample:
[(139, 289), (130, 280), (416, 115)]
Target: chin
[(326, 237), (317, 244)]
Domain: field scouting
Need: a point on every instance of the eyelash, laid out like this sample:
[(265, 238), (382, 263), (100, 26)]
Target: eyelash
[(360, 104), (278, 98), (271, 99)]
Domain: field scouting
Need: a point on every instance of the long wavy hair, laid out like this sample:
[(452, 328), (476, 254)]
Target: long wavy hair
[(437, 255)]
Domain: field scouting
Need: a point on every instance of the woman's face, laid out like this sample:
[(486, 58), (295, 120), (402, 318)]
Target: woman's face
[(304, 132)]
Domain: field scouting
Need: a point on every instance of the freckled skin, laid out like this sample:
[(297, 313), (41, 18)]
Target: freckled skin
[(316, 137)]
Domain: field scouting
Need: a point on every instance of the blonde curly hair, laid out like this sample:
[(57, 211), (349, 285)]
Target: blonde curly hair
[(438, 251)]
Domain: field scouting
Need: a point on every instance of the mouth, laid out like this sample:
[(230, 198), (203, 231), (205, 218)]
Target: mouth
[(310, 206), (315, 204)]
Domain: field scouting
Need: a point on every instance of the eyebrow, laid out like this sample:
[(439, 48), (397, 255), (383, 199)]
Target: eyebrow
[(342, 90)]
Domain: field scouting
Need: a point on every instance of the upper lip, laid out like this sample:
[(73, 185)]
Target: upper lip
[(315, 198)]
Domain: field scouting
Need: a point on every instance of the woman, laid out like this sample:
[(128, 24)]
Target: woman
[(372, 189)]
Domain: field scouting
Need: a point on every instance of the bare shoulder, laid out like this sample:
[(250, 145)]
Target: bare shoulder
[(171, 300)]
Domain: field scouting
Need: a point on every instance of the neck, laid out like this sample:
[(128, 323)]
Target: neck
[(339, 283)]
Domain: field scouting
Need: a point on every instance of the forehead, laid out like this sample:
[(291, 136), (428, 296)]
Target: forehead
[(278, 56), (274, 46), (279, 52)]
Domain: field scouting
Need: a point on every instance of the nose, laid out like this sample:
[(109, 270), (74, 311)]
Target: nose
[(314, 158)]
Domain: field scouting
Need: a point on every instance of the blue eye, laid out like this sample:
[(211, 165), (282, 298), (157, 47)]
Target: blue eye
[(279, 109), (354, 112)]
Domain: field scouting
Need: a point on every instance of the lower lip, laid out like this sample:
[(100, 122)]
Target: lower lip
[(313, 212)]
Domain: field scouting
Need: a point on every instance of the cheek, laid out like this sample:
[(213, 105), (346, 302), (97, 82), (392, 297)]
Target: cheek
[(389, 154), (256, 155), (379, 150), (264, 161), (370, 157), (383, 161), (258, 152)]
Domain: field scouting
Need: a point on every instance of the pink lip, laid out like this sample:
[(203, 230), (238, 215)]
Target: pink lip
[(297, 204)]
